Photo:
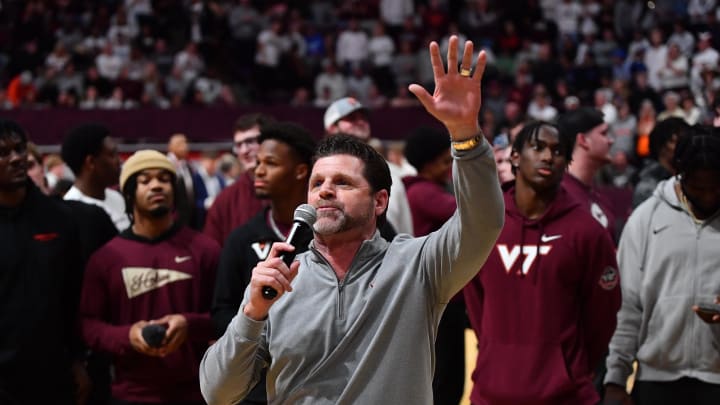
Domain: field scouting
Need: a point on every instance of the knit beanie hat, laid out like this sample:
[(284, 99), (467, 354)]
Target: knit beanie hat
[(144, 159)]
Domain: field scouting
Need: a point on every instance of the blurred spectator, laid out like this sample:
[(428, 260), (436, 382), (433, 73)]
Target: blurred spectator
[(359, 84), (602, 102), (691, 113), (381, 48), (619, 173), (35, 169), (244, 23), (540, 107), (671, 102), (189, 62), (21, 89), (178, 154), (682, 38), (57, 59), (56, 170), (395, 12), (108, 63), (567, 17), (674, 74), (330, 84), (640, 91), (662, 143), (624, 131), (655, 58), (706, 58), (646, 122), (207, 184), (405, 64), (229, 168), (352, 46), (70, 79)]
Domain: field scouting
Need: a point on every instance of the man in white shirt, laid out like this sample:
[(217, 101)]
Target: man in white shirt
[(91, 153)]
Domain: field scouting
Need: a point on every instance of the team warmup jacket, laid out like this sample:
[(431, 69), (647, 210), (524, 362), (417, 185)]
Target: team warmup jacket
[(543, 307), (368, 339), (132, 279)]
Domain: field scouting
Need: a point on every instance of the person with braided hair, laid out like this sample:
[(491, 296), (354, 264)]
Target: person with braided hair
[(669, 271)]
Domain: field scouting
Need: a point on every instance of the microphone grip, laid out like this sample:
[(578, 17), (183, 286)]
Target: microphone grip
[(268, 292)]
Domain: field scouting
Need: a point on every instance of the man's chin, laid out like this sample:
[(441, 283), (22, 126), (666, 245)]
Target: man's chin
[(159, 212)]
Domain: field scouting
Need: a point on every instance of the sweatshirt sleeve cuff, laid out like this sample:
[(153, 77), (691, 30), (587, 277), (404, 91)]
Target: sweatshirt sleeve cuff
[(617, 377), (247, 328)]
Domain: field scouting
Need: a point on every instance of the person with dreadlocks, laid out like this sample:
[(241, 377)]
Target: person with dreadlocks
[(543, 306), (669, 266), (157, 272)]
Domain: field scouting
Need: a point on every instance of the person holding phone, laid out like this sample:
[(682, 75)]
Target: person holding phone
[(670, 272)]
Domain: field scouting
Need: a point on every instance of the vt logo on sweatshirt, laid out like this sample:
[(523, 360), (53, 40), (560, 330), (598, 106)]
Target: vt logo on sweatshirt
[(530, 253)]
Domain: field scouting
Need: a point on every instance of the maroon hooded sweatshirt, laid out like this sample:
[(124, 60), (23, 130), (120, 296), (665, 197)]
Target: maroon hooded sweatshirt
[(543, 307)]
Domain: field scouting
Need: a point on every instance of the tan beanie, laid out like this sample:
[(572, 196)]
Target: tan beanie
[(144, 159)]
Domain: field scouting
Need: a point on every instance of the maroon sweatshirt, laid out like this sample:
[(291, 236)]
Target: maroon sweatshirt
[(233, 207), (132, 279), (593, 202), (431, 205), (543, 307)]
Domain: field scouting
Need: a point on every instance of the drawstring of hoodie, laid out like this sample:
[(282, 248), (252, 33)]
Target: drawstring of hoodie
[(538, 256)]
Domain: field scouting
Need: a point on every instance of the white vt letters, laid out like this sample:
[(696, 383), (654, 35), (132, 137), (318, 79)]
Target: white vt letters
[(509, 257)]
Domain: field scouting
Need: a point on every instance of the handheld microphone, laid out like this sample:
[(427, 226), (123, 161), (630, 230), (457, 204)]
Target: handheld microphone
[(303, 220)]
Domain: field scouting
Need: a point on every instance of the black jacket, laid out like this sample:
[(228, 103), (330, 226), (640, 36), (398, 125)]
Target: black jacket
[(40, 279)]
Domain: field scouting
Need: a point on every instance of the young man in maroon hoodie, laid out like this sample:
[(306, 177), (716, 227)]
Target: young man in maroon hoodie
[(157, 272), (543, 306)]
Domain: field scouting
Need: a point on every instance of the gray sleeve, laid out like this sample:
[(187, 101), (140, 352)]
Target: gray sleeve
[(232, 366), (625, 340), (453, 255)]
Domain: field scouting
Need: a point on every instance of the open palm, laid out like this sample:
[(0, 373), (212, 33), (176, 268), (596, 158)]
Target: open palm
[(457, 99)]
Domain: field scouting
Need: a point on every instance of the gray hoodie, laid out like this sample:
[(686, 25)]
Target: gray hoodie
[(368, 339), (668, 263)]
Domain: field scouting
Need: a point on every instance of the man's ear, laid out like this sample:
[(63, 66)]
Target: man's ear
[(381, 199), (88, 162), (514, 158), (302, 171), (581, 141)]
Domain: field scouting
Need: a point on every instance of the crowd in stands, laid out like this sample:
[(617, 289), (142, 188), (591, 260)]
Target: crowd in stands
[(544, 56)]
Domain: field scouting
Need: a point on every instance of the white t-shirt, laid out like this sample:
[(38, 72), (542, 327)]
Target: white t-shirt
[(113, 204)]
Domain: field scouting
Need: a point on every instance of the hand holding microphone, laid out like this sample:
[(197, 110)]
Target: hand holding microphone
[(303, 220)]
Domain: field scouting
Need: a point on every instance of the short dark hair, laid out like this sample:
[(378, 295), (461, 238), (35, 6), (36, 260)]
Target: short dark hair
[(531, 130), (664, 131), (8, 128), (579, 121), (297, 137), (248, 121), (83, 141), (424, 145), (699, 149), (376, 172)]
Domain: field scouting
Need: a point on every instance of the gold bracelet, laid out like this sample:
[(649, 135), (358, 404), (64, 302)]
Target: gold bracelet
[(471, 143)]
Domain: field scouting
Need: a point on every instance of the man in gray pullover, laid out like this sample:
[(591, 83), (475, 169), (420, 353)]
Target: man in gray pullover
[(356, 317)]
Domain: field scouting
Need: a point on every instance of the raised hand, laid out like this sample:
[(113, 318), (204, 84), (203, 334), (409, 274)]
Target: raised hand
[(456, 101)]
